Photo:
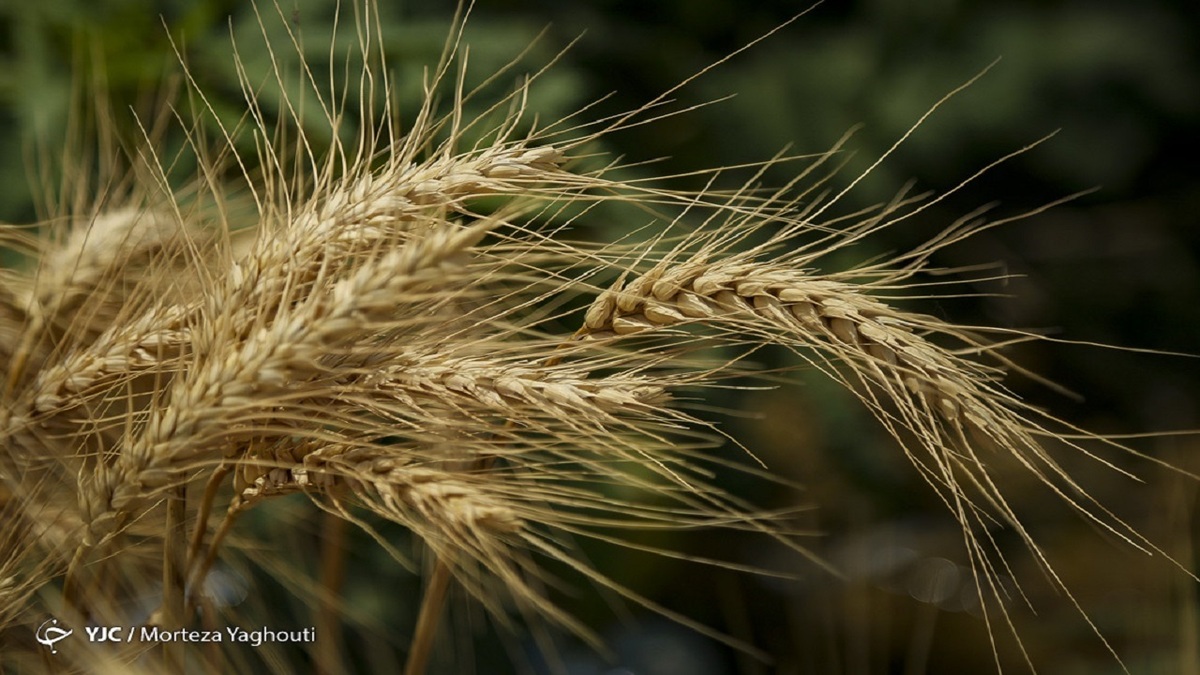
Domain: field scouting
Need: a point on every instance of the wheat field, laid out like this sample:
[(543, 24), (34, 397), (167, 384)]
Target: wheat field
[(382, 370)]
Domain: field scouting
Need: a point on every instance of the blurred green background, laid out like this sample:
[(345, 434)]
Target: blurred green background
[(1120, 81)]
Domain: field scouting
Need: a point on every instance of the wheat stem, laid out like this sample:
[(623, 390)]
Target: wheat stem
[(428, 618), (174, 574), (332, 578), (211, 487)]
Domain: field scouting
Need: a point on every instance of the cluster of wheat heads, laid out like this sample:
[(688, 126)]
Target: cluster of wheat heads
[(404, 329)]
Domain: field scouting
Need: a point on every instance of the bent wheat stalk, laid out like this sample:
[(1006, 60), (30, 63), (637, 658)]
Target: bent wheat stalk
[(391, 338)]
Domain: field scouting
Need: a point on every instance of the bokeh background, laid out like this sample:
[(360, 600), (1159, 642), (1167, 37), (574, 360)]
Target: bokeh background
[(1118, 81)]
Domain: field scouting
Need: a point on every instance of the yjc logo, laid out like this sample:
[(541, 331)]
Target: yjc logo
[(49, 633), (104, 633)]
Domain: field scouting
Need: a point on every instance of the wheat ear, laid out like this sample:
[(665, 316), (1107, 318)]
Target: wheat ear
[(393, 348), (939, 394), (356, 215), (186, 429)]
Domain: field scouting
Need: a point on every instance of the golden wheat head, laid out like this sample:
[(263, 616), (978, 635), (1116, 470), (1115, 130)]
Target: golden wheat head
[(402, 328)]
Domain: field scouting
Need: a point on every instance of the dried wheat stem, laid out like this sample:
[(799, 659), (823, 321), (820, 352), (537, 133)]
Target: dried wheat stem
[(263, 472), (328, 620), (12, 314), (432, 603), (174, 572), (212, 486)]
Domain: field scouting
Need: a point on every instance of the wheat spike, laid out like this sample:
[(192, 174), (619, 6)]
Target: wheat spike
[(183, 431), (385, 329)]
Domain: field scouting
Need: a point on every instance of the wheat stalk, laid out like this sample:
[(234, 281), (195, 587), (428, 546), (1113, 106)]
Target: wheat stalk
[(390, 337), (234, 378), (949, 404)]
